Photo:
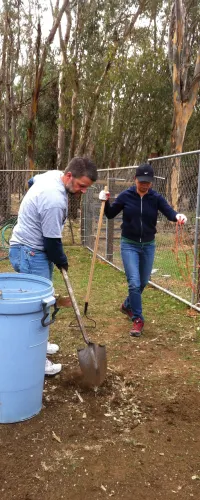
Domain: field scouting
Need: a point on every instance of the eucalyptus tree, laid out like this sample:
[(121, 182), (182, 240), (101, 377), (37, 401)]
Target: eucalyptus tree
[(184, 58), (97, 30), (41, 55), (134, 112), (134, 116), (10, 35), (10, 51), (118, 27), (63, 85)]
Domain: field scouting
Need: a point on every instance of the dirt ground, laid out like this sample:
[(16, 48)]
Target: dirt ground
[(136, 437)]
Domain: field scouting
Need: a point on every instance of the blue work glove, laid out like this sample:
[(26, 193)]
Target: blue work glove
[(64, 265)]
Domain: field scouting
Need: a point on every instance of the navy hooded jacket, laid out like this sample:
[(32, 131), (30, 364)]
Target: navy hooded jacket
[(139, 213)]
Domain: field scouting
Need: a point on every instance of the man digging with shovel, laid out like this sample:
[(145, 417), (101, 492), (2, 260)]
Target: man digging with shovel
[(35, 244)]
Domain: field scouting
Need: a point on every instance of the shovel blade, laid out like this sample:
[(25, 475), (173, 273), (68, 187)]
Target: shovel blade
[(63, 301), (93, 363)]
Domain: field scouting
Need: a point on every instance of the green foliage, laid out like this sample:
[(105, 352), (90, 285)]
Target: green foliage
[(46, 127), (134, 112)]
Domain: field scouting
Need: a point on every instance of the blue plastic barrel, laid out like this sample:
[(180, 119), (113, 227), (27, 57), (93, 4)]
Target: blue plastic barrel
[(25, 302)]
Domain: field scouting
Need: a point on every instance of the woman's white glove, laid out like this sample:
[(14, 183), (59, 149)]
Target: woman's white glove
[(104, 195), (181, 218)]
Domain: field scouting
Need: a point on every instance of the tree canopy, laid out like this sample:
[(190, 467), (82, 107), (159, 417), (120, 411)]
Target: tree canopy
[(116, 81)]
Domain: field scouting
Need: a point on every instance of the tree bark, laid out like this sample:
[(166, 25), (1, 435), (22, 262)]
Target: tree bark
[(61, 126), (185, 92)]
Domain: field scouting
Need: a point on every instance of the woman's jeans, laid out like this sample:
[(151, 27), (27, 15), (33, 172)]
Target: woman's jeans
[(30, 261), (138, 263)]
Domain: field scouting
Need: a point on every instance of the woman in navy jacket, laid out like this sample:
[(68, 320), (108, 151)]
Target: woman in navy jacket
[(140, 205)]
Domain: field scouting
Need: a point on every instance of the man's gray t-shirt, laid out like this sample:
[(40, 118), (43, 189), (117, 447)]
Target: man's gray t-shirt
[(43, 211)]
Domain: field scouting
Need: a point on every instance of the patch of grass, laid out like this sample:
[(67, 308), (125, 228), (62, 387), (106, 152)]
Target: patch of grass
[(109, 288), (173, 272), (5, 266)]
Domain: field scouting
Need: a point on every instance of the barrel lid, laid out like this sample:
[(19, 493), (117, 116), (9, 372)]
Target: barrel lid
[(18, 286)]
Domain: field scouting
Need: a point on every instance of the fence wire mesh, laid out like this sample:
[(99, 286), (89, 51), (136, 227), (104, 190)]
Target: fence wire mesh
[(176, 265)]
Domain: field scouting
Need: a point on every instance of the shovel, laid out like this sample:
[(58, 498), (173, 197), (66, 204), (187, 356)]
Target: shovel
[(92, 359)]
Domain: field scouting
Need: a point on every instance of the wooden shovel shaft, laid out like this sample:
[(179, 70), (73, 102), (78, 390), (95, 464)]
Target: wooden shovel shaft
[(95, 251), (92, 359), (75, 306)]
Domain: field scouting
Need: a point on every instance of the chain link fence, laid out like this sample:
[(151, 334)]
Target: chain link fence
[(176, 265)]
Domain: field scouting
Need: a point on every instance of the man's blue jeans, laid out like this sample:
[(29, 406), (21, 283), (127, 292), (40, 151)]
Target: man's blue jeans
[(138, 263), (27, 260)]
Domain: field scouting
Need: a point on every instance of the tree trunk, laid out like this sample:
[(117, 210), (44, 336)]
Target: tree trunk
[(74, 100), (185, 89), (175, 178), (182, 114), (61, 127), (74, 129)]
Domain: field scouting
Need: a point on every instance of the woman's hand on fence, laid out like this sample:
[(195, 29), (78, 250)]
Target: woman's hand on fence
[(181, 218), (104, 195)]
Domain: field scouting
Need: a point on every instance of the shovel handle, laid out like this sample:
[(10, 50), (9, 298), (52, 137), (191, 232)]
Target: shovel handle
[(95, 251), (75, 305)]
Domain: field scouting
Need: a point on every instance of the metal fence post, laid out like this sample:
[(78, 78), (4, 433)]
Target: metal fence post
[(83, 221), (110, 222), (196, 237)]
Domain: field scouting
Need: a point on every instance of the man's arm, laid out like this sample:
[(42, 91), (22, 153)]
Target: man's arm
[(55, 253)]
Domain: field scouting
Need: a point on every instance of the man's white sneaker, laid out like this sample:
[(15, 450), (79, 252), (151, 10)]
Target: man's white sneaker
[(52, 368), (52, 348)]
